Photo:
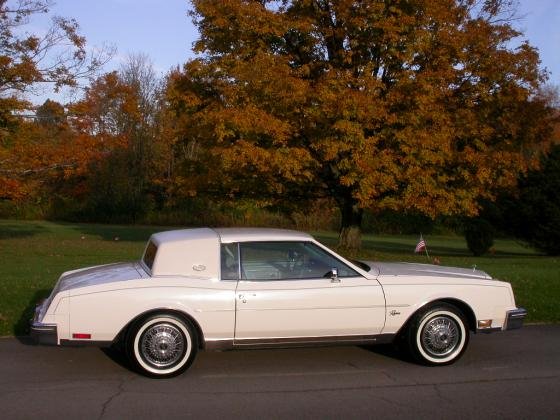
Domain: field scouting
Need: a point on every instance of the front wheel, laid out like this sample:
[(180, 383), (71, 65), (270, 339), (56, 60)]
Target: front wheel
[(161, 345), (438, 335)]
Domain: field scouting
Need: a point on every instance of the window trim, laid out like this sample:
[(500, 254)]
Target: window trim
[(149, 245), (238, 260)]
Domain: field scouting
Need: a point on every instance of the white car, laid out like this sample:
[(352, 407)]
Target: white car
[(217, 289)]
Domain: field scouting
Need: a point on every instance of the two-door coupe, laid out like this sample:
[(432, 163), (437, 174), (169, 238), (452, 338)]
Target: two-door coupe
[(246, 288)]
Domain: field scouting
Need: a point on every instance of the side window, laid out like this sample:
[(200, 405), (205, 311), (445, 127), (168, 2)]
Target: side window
[(150, 255), (229, 261), (288, 261)]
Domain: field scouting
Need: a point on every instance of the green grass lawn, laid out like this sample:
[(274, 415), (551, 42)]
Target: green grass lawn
[(33, 254)]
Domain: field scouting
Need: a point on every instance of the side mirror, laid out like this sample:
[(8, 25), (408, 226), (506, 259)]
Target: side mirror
[(334, 275)]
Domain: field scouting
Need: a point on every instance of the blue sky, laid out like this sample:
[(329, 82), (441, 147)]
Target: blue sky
[(540, 22), (162, 30)]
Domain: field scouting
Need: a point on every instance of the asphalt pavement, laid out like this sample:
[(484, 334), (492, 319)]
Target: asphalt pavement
[(513, 374)]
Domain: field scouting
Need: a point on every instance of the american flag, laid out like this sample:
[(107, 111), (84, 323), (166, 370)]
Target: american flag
[(421, 246)]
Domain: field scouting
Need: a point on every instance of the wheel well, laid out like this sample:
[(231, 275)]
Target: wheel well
[(464, 308), (459, 304), (122, 334)]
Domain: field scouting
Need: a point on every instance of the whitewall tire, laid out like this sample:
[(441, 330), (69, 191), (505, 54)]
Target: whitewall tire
[(162, 345), (438, 335)]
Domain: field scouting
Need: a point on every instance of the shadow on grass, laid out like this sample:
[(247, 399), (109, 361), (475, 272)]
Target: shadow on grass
[(20, 230), (21, 327)]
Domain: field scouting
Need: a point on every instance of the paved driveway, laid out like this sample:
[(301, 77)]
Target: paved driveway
[(513, 375)]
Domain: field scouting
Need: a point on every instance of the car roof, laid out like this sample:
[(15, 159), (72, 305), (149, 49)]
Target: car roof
[(183, 235), (228, 235)]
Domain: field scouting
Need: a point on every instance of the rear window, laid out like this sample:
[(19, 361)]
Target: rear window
[(150, 255)]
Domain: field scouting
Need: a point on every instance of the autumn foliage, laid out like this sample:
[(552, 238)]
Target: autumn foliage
[(425, 106), (30, 151), (377, 104)]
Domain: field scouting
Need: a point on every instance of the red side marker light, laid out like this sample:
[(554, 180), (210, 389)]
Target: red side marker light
[(81, 336)]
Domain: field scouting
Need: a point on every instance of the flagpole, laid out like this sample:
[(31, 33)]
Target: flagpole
[(425, 246)]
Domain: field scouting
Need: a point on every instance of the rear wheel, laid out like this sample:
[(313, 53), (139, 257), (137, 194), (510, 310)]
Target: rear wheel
[(161, 345), (438, 335)]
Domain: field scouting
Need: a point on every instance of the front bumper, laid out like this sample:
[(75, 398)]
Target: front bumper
[(42, 333), (514, 318), (514, 321)]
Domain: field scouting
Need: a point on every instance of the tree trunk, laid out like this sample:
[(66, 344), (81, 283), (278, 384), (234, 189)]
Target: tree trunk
[(351, 225)]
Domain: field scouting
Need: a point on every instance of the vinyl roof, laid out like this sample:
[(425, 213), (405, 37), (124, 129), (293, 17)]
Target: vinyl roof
[(228, 235)]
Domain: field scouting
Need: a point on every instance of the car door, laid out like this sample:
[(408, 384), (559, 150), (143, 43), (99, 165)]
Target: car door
[(287, 290)]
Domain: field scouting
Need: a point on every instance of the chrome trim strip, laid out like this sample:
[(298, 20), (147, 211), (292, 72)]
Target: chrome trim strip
[(217, 345), (313, 341), (312, 308), (517, 313), (43, 328), (258, 343)]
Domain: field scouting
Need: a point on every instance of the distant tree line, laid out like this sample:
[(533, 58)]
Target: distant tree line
[(377, 116)]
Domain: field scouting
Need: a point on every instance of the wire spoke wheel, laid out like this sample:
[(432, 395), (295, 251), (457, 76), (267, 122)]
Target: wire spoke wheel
[(440, 336), (437, 335), (162, 345)]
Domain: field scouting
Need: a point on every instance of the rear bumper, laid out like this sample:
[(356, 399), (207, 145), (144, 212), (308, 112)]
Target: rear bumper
[(515, 318), (42, 333)]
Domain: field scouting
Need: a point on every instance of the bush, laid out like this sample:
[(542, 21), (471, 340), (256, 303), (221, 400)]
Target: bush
[(532, 213), (479, 234)]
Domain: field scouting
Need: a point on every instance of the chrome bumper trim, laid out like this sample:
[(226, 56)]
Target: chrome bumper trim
[(514, 318), (42, 333)]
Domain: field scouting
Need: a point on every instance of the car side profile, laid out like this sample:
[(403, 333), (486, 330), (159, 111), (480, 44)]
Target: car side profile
[(221, 289)]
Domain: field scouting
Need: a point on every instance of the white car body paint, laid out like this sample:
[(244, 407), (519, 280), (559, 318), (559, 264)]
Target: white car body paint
[(185, 277)]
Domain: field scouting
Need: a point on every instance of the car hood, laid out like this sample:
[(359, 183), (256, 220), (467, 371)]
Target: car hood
[(426, 270), (100, 274)]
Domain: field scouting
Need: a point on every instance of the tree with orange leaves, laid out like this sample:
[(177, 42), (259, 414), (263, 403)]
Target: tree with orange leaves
[(120, 116), (375, 104), (58, 57)]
